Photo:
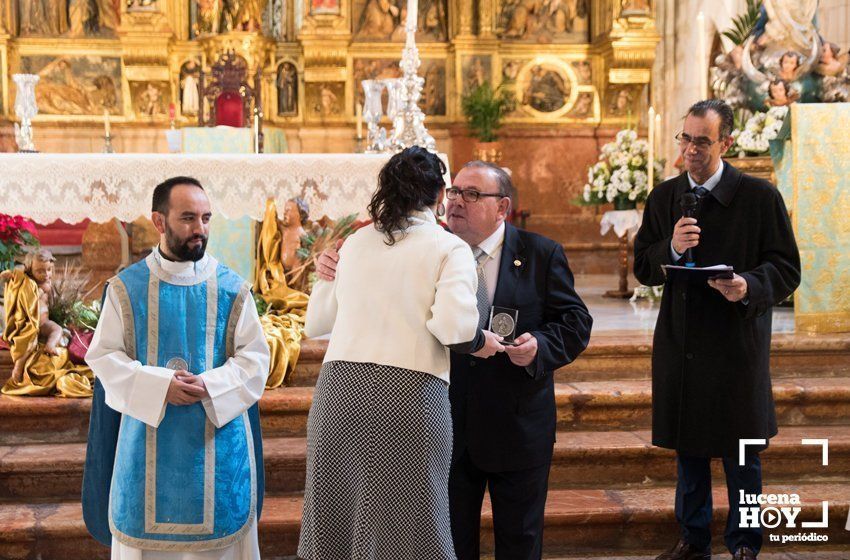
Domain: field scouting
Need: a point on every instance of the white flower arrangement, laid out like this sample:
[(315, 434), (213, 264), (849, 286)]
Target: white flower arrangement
[(760, 129), (620, 175)]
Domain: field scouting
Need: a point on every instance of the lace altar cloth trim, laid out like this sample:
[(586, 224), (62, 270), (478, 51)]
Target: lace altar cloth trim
[(73, 187), (621, 221)]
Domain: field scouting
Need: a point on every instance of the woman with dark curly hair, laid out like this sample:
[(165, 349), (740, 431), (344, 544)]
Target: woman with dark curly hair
[(379, 434)]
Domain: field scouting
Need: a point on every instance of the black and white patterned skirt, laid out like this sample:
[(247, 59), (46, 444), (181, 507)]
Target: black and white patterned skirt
[(379, 444)]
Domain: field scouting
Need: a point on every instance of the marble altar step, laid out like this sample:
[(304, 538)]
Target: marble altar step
[(581, 460), (582, 405), (626, 355), (589, 521)]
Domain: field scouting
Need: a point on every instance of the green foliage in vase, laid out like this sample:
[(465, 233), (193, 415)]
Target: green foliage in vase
[(484, 108)]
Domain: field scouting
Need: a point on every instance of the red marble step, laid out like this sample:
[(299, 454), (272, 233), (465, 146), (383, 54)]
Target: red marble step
[(581, 460), (589, 521), (583, 405)]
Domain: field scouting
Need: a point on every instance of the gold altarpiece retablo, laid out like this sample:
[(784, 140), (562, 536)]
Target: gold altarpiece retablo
[(571, 62)]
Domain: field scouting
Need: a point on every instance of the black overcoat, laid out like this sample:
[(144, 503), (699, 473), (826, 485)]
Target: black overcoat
[(710, 359)]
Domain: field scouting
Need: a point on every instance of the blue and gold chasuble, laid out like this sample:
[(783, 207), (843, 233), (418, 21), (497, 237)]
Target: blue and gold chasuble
[(185, 485)]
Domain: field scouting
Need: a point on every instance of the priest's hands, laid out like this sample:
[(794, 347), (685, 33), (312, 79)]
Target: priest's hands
[(685, 235), (185, 389), (524, 352), (326, 265), (733, 289)]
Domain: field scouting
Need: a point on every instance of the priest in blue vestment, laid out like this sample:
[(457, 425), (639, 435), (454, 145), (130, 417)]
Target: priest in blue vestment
[(174, 461)]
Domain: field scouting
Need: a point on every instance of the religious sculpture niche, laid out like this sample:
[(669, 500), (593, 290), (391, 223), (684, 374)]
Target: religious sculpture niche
[(76, 85), (545, 21), (92, 18), (287, 90), (384, 20), (150, 99), (783, 60), (189, 97)]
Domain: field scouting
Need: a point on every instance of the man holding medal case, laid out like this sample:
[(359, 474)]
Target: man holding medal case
[(503, 407)]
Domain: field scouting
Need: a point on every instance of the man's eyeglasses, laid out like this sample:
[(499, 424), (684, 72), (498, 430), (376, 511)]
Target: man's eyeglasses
[(700, 142), (468, 195)]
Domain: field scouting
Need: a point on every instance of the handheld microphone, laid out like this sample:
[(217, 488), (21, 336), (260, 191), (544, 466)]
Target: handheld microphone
[(689, 203)]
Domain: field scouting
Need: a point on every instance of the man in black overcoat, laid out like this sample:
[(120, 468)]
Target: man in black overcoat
[(710, 374)]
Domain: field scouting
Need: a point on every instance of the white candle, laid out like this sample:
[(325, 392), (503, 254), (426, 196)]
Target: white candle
[(702, 57), (412, 15), (256, 133), (359, 112), (106, 122), (659, 148), (650, 168)]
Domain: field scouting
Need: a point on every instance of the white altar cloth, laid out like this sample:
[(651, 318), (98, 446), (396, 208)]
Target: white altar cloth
[(73, 187)]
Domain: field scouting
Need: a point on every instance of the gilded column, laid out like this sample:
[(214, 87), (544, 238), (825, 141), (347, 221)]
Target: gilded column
[(627, 49), (464, 8), (486, 18)]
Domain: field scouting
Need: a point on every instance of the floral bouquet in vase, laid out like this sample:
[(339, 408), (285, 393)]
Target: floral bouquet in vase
[(759, 130), (621, 174)]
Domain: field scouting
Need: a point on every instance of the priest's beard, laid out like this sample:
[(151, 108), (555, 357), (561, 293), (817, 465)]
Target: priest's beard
[(182, 248)]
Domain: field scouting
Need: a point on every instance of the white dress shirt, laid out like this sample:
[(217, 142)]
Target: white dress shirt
[(492, 246), (139, 391), (398, 305)]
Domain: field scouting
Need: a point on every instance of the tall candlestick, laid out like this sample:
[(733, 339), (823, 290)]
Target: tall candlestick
[(650, 158), (106, 122), (412, 15), (702, 57), (359, 112)]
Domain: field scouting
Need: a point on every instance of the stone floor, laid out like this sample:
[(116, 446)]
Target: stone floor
[(611, 314)]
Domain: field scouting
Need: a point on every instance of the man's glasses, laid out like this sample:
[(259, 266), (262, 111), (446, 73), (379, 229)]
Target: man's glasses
[(468, 195), (700, 142)]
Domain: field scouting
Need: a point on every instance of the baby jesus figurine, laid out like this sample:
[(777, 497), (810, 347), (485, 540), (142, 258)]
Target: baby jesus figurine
[(295, 215), (36, 277)]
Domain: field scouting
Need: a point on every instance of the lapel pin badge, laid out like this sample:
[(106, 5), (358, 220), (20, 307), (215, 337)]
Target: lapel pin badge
[(517, 263)]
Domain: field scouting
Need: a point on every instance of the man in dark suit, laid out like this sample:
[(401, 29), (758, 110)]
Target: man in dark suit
[(503, 407), (710, 374)]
